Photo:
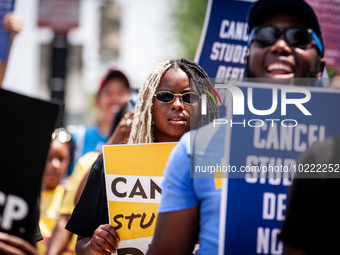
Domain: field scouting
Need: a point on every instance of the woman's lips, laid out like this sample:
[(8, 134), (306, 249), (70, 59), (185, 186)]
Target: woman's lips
[(177, 121)]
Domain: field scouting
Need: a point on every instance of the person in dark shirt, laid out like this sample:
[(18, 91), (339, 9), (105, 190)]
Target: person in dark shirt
[(167, 107), (285, 46), (312, 224)]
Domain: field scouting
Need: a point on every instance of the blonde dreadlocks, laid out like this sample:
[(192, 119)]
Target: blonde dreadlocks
[(142, 127)]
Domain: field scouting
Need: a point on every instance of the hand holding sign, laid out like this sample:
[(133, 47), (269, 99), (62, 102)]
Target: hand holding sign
[(122, 131), (104, 240)]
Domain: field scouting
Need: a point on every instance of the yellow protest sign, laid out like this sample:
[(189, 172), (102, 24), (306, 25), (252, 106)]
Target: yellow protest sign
[(135, 221), (133, 175)]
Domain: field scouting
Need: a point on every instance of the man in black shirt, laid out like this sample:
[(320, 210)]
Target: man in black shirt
[(312, 224)]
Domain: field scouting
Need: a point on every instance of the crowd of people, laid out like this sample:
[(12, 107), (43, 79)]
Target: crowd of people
[(280, 51), (285, 44)]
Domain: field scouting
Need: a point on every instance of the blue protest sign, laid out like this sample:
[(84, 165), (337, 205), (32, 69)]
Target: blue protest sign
[(6, 6), (254, 197), (223, 43)]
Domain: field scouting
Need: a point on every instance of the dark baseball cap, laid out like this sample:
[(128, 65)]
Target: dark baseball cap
[(262, 9)]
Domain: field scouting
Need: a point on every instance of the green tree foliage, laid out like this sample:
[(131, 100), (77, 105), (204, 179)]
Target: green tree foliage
[(188, 16)]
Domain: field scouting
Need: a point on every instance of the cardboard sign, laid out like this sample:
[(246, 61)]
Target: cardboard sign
[(265, 160), (6, 6), (25, 136), (133, 176)]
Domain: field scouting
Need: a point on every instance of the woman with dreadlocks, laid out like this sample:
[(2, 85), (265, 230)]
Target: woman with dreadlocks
[(168, 105)]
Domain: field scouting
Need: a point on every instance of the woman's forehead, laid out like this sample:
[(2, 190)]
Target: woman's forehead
[(174, 79)]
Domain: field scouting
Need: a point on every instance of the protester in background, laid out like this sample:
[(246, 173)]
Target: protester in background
[(58, 159), (13, 24), (166, 108), (113, 92), (61, 237), (122, 124), (281, 51), (120, 135)]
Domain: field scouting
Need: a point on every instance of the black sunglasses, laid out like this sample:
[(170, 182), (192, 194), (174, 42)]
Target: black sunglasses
[(168, 97), (295, 36)]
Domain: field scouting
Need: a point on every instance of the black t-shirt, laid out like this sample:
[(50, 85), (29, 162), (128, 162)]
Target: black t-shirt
[(313, 214), (91, 209)]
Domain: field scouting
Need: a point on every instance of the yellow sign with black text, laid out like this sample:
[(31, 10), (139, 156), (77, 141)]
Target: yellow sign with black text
[(133, 176)]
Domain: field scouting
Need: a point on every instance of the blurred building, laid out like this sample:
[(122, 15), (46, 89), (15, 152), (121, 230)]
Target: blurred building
[(127, 34)]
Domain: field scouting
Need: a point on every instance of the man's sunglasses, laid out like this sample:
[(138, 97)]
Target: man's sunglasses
[(168, 97), (296, 37)]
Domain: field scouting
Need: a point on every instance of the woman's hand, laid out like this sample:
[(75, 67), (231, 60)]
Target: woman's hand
[(122, 131), (15, 245), (104, 240)]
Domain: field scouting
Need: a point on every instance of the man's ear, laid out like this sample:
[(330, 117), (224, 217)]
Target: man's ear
[(322, 67)]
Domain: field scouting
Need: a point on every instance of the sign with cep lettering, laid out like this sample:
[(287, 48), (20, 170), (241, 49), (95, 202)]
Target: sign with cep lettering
[(25, 136), (6, 6), (133, 175)]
